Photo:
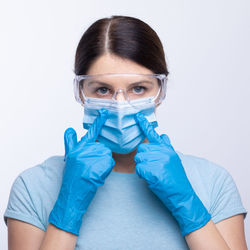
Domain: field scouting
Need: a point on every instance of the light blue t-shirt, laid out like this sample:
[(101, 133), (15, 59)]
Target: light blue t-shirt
[(124, 214)]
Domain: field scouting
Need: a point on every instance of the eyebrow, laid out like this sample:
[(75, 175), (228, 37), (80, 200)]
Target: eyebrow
[(99, 82), (109, 85)]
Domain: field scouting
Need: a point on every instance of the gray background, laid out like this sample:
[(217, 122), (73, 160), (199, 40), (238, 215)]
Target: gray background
[(206, 112)]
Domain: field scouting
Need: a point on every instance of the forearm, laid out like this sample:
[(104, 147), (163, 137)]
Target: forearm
[(56, 238), (206, 238)]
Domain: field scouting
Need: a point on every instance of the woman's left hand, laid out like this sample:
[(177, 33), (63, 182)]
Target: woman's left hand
[(159, 164)]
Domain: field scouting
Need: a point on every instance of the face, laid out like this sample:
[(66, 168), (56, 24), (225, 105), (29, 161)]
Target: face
[(105, 87)]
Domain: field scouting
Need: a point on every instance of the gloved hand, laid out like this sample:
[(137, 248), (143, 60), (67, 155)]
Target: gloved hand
[(158, 163), (88, 163)]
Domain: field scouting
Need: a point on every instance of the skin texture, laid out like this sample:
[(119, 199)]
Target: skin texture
[(227, 234)]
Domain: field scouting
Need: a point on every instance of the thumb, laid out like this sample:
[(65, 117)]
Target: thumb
[(165, 139), (70, 140)]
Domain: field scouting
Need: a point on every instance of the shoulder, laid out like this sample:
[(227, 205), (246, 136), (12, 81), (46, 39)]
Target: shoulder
[(205, 176), (198, 166), (214, 185), (50, 168), (44, 179), (34, 192), (44, 176)]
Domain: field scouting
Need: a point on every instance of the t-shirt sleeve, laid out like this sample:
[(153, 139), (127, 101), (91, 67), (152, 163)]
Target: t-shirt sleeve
[(20, 205), (226, 200)]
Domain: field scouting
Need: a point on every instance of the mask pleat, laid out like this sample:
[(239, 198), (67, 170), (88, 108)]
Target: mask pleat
[(120, 132)]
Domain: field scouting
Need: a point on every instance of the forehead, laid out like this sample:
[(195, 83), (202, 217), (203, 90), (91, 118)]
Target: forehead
[(109, 63), (120, 80)]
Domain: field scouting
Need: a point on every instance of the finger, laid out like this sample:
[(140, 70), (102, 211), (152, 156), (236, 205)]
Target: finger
[(149, 147), (147, 128), (144, 172), (96, 127), (139, 157), (70, 139), (166, 139), (140, 171), (144, 147)]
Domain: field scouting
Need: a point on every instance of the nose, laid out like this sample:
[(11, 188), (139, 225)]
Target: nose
[(120, 95)]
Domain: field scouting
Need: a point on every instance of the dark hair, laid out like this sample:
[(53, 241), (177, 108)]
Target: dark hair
[(123, 36)]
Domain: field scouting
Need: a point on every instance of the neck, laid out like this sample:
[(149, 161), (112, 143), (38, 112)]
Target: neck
[(124, 163)]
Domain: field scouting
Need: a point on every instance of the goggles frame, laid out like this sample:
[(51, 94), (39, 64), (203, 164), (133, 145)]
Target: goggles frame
[(78, 78)]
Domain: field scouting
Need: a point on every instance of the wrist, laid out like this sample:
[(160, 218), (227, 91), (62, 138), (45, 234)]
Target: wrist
[(186, 208), (191, 214), (66, 218)]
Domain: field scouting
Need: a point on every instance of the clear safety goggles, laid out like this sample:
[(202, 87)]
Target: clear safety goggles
[(120, 87)]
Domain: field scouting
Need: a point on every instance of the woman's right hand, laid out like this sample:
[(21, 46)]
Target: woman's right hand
[(88, 163)]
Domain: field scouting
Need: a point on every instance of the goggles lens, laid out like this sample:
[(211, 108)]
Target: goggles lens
[(120, 87)]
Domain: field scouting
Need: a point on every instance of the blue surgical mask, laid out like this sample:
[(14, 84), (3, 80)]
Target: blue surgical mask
[(120, 132)]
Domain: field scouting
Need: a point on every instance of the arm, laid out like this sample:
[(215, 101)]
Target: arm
[(56, 238), (158, 163), (24, 236), (226, 234), (87, 165)]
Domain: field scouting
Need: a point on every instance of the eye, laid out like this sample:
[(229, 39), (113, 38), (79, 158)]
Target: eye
[(139, 89), (102, 91)]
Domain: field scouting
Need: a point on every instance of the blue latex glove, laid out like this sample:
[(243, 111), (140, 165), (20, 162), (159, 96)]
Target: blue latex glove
[(159, 164), (88, 163)]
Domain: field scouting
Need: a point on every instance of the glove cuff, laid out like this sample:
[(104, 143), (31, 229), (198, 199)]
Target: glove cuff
[(66, 219), (191, 215)]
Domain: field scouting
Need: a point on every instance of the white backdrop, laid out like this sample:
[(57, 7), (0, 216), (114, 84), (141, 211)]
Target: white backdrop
[(206, 112)]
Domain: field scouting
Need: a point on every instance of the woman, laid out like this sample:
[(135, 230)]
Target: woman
[(153, 197)]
